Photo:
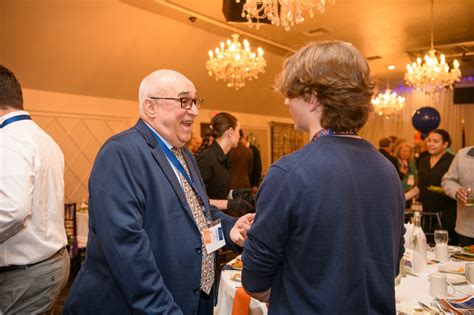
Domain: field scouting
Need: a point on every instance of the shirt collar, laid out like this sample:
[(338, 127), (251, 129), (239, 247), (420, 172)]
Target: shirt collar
[(13, 114), (220, 154)]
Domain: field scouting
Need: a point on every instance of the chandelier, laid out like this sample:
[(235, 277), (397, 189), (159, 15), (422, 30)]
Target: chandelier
[(388, 103), (433, 75), (234, 64), (286, 13)]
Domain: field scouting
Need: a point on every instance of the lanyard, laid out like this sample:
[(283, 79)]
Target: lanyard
[(170, 155), (328, 132), (13, 119)]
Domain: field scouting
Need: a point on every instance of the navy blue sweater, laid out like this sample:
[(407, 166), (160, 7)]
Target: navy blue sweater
[(328, 234)]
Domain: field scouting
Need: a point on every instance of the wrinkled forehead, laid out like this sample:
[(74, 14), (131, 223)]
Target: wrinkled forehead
[(176, 86)]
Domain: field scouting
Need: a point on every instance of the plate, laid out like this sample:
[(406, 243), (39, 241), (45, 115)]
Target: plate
[(238, 277), (454, 249), (455, 278), (465, 252), (449, 268)]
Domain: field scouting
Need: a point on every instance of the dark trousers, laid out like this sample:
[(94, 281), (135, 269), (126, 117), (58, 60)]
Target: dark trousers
[(206, 303)]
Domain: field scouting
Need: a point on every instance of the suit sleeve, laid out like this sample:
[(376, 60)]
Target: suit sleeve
[(117, 197)]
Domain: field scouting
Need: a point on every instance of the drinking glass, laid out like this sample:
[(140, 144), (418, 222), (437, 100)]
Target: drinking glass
[(469, 273), (470, 197), (441, 236)]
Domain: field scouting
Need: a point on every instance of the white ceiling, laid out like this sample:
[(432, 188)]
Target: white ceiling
[(104, 47)]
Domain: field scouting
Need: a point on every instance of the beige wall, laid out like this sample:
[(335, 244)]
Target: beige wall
[(81, 124)]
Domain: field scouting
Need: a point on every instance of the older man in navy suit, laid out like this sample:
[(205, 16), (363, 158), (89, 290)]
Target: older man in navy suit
[(153, 234)]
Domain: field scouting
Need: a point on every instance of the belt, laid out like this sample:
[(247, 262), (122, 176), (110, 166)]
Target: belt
[(24, 267)]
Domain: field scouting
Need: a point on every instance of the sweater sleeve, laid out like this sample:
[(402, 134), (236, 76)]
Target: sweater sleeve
[(450, 181)]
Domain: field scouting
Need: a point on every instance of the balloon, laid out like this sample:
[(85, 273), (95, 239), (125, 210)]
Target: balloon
[(425, 119)]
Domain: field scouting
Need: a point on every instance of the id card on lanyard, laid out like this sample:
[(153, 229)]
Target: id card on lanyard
[(213, 236)]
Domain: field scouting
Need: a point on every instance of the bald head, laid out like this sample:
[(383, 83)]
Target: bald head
[(162, 83)]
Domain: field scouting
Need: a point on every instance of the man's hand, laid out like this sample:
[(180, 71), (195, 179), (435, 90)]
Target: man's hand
[(238, 233), (461, 195)]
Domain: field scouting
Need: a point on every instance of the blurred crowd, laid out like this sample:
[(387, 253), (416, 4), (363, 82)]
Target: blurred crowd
[(434, 176)]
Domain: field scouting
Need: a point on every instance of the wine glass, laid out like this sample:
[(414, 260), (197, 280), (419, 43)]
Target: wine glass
[(441, 236)]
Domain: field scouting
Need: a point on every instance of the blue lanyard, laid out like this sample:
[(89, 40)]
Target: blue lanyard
[(170, 155), (13, 119), (328, 132)]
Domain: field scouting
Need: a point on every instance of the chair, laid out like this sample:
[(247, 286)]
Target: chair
[(70, 222), (430, 221)]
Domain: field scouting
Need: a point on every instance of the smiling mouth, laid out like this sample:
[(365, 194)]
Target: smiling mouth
[(187, 123)]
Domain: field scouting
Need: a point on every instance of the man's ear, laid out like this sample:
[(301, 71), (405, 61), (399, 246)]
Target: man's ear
[(314, 104), (149, 108)]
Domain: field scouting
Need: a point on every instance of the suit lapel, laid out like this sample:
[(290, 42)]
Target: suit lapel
[(165, 166)]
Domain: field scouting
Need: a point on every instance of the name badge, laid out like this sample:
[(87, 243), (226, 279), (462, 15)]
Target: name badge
[(213, 236), (411, 180)]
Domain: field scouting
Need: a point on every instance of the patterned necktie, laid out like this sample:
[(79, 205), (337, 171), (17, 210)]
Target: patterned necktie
[(207, 265)]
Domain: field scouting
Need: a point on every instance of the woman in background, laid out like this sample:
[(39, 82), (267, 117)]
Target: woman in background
[(214, 165), (430, 172), (406, 166)]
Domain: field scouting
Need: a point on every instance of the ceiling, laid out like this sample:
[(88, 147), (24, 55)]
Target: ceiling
[(104, 48)]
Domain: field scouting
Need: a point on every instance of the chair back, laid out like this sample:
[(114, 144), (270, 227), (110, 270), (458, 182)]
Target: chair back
[(430, 221), (70, 221)]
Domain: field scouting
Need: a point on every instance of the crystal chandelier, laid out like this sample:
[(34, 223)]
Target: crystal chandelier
[(286, 13), (388, 103), (433, 75), (234, 64)]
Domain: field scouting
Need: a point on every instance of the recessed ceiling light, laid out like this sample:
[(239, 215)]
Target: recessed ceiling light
[(391, 67)]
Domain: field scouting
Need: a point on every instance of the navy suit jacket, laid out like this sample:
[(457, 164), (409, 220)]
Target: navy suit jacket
[(144, 247)]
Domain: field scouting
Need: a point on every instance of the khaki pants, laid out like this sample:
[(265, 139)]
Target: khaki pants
[(35, 289)]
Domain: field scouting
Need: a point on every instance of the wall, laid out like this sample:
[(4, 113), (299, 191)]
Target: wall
[(81, 124)]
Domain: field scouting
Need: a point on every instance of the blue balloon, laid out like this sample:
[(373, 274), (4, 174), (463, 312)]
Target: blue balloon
[(425, 119)]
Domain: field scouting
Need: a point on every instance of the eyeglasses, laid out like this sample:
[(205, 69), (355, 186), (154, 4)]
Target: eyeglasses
[(186, 102)]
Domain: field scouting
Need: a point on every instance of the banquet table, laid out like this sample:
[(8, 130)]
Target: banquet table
[(414, 289), (411, 290), (227, 289)]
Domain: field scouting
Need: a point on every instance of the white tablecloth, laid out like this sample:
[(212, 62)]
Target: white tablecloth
[(227, 288), (411, 290), (414, 289), (82, 225)]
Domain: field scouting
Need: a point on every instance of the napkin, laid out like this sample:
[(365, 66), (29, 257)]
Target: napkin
[(409, 236), (241, 302)]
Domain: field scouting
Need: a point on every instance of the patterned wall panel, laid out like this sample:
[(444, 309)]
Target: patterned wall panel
[(80, 137), (284, 139)]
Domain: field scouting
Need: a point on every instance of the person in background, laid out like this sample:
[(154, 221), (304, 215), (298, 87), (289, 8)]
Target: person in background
[(194, 143), (385, 147), (34, 262), (431, 170), (147, 250), (213, 164), (421, 150), (256, 165), (456, 182), (311, 248), (240, 162), (406, 165)]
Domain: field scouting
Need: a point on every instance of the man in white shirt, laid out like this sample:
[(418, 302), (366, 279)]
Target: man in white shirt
[(34, 264)]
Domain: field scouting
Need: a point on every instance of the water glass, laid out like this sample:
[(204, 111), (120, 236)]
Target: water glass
[(441, 236), (469, 273)]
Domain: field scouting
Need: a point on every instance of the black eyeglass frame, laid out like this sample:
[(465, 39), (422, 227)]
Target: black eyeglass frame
[(194, 101)]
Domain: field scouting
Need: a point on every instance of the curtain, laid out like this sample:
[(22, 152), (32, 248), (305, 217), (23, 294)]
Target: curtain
[(401, 126)]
